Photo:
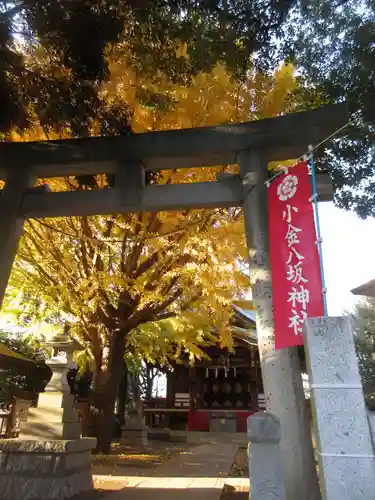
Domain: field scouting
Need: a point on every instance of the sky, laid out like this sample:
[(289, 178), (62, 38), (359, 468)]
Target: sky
[(348, 255)]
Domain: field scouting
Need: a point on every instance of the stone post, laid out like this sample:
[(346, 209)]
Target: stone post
[(343, 440), (282, 380), (50, 461), (134, 432), (266, 471)]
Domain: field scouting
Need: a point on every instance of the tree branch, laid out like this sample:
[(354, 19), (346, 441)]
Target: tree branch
[(147, 264)]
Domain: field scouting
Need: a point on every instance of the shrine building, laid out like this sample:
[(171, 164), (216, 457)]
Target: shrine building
[(215, 394)]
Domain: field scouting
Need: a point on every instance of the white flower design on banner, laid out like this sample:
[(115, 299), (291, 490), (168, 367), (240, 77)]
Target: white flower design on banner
[(287, 188)]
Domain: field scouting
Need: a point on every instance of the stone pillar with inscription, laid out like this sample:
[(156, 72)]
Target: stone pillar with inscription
[(50, 460), (343, 440), (281, 372), (134, 432)]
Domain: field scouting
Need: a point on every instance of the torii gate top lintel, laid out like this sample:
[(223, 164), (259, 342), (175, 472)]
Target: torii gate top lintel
[(279, 138)]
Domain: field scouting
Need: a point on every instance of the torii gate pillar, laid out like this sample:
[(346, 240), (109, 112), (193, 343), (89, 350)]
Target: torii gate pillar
[(11, 223), (281, 373)]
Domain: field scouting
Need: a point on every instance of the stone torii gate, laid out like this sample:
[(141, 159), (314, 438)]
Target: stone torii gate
[(252, 145)]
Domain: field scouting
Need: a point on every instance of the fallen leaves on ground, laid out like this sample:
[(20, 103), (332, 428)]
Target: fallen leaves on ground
[(240, 467), (123, 459)]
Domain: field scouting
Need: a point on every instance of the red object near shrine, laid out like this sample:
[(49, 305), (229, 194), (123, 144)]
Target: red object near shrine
[(242, 417), (198, 421), (296, 277)]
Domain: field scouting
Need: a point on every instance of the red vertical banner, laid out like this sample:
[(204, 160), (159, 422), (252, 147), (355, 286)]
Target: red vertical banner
[(295, 266)]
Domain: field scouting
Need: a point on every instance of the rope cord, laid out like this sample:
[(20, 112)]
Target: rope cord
[(310, 151)]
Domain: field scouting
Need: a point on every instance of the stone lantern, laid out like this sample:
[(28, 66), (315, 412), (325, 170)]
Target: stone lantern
[(63, 347), (55, 417), (50, 460)]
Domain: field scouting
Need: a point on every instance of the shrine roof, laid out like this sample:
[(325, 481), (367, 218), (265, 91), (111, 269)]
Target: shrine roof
[(249, 313), (366, 289), (247, 331), (247, 316), (247, 335), (11, 359), (6, 352)]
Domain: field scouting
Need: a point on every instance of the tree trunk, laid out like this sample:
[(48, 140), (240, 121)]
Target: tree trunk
[(105, 393)]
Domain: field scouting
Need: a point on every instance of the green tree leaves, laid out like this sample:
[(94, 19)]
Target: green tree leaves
[(363, 320), (332, 44), (54, 53)]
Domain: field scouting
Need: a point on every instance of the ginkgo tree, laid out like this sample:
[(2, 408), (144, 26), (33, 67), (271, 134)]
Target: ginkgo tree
[(111, 275), (148, 280)]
